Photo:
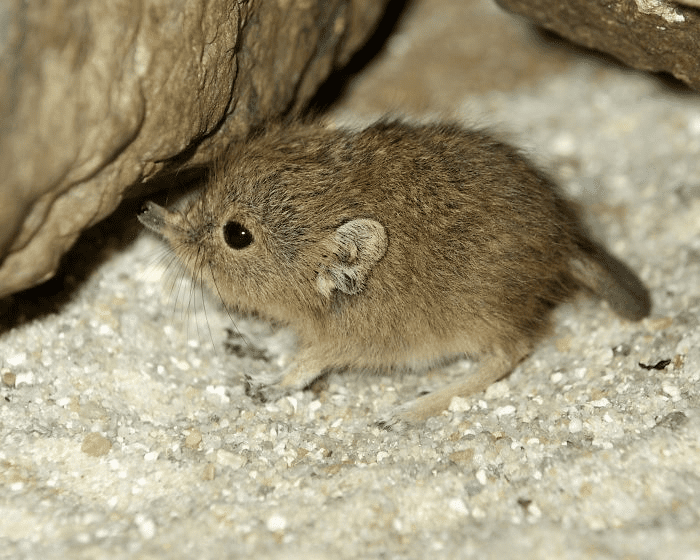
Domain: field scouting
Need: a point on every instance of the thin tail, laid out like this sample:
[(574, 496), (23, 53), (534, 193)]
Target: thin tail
[(613, 281)]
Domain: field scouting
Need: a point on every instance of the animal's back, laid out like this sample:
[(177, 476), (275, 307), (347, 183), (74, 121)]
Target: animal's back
[(479, 242)]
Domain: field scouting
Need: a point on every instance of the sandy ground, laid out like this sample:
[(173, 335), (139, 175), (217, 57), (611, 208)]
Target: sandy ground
[(125, 431)]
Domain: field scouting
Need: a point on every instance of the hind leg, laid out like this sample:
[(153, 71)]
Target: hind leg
[(491, 369)]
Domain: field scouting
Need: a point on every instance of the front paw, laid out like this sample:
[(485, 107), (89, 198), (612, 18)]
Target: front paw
[(270, 387), (394, 421), (263, 388), (412, 413)]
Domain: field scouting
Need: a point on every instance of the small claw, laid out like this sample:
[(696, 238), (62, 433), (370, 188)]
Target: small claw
[(254, 390), (263, 388), (392, 423)]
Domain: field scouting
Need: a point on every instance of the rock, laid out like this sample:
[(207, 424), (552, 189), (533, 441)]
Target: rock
[(653, 35), (97, 98)]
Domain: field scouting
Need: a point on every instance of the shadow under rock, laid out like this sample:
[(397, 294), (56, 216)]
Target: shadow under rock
[(94, 247), (335, 85)]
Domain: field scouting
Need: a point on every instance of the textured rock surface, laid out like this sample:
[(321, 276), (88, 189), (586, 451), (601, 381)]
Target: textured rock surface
[(96, 97), (651, 35)]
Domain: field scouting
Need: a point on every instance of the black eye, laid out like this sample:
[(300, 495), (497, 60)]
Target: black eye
[(237, 236)]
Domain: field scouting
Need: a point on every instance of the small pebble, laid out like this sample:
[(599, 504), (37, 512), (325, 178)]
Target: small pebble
[(228, 459), (575, 425), (146, 526), (459, 404), (505, 410), (16, 359), (276, 523), (193, 439), (457, 505), (9, 378), (672, 391), (209, 472), (95, 445)]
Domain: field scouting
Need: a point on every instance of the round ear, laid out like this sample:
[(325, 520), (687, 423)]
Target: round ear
[(354, 249)]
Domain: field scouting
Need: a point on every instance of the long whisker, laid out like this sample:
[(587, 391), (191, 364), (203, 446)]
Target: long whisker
[(192, 299), (176, 287), (226, 308), (204, 301)]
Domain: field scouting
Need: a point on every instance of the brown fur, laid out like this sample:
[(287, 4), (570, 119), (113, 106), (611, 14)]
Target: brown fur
[(454, 245)]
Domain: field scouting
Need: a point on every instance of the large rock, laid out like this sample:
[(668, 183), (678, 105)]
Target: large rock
[(647, 34), (98, 97)]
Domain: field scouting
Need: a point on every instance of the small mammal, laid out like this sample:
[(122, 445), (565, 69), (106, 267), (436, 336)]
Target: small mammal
[(393, 248)]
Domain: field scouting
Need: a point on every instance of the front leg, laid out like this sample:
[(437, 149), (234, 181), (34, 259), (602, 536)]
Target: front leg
[(267, 387)]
